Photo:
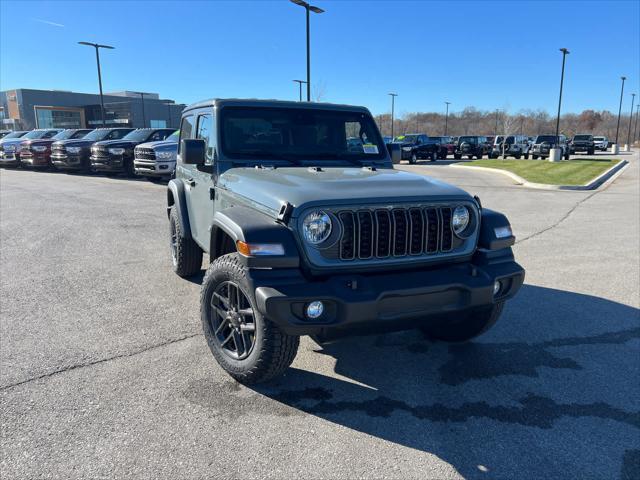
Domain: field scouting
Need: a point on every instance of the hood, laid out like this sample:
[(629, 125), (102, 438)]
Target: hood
[(116, 143), (75, 142), (12, 141), (38, 141), (159, 144), (334, 186)]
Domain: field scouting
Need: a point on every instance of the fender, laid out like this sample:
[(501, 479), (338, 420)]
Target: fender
[(490, 220), (251, 226), (176, 192)]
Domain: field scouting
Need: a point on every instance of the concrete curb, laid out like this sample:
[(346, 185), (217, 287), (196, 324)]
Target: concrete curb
[(595, 183)]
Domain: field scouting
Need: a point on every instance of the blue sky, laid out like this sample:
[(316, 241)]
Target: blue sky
[(483, 54)]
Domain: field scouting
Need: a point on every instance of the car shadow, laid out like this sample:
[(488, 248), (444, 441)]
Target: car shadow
[(550, 392)]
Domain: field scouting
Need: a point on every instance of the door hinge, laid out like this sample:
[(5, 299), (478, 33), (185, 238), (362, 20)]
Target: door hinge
[(285, 213)]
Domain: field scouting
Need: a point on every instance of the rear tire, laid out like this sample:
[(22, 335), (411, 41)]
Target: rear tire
[(186, 255), (434, 156), (229, 315), (470, 326)]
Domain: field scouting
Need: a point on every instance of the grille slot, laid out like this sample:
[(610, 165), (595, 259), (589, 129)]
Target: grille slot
[(145, 153), (384, 233)]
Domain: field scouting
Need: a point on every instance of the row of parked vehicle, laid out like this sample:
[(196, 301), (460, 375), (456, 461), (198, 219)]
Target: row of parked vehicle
[(419, 146), (147, 152)]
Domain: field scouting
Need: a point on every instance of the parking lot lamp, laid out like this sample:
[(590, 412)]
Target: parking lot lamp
[(497, 122), (393, 102), (620, 108), (635, 128), (633, 98), (446, 118), (300, 82), (565, 52), (313, 9), (97, 46)]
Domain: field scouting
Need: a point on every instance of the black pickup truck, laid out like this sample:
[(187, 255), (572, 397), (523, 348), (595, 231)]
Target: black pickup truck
[(418, 146)]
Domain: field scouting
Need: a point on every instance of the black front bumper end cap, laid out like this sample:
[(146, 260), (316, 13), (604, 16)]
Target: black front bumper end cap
[(368, 303)]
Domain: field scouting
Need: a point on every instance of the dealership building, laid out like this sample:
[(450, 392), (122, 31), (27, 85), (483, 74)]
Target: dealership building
[(26, 109)]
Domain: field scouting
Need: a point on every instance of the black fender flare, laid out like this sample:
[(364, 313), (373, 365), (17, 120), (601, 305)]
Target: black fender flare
[(176, 198), (490, 220), (252, 226)]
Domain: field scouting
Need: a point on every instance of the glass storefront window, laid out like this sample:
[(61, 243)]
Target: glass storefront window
[(158, 124), (51, 118)]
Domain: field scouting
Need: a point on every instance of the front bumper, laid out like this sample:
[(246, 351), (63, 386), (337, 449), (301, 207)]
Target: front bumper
[(33, 159), (357, 304), (69, 161), (9, 159), (582, 148), (111, 163), (153, 168)]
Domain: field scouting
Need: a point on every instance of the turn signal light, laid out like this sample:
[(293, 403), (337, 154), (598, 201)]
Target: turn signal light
[(259, 249)]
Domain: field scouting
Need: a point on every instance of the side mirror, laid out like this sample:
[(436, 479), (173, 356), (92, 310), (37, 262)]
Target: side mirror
[(192, 151)]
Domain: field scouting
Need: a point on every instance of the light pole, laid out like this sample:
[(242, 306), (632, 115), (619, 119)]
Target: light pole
[(497, 122), (635, 128), (313, 9), (565, 52), (393, 102), (98, 46), (620, 108), (300, 82), (144, 117), (633, 98), (446, 118)]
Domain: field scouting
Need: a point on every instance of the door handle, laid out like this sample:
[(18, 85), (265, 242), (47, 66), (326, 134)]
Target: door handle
[(191, 182)]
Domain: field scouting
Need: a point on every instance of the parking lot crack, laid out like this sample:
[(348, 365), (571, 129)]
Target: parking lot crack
[(100, 361)]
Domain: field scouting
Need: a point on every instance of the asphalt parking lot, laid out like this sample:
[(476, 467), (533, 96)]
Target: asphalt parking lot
[(105, 372)]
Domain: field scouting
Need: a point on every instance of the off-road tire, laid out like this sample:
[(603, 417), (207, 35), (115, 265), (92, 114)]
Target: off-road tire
[(186, 255), (413, 159), (466, 328), (567, 156), (457, 156), (591, 152), (535, 157), (272, 351), (434, 156)]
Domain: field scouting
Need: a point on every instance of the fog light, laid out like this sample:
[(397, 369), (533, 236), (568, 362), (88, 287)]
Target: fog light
[(497, 286), (315, 309)]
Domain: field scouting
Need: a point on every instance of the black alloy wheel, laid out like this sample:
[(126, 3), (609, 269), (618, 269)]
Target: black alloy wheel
[(232, 321)]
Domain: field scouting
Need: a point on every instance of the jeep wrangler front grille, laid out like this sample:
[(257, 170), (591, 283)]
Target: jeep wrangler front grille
[(396, 232)]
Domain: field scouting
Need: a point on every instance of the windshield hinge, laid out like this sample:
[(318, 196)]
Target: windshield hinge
[(315, 169), (369, 168), (286, 209)]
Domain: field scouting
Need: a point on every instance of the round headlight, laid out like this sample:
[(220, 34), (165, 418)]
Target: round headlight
[(460, 219), (316, 227)]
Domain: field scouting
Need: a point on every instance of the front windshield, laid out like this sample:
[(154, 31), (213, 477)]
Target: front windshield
[(499, 139), (97, 135), (294, 134), (14, 135), (69, 134), (138, 135), (546, 138), (582, 137), (468, 139), (599, 139), (174, 137), (35, 134)]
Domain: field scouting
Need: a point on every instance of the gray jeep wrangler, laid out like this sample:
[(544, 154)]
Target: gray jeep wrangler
[(309, 233)]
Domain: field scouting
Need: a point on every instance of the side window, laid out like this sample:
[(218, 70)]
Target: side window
[(186, 129), (205, 132), (50, 134)]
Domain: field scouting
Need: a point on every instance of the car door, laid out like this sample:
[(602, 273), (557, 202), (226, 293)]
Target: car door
[(186, 172), (201, 182)]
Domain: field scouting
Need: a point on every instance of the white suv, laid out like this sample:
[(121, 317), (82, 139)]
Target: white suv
[(512, 146), (601, 143)]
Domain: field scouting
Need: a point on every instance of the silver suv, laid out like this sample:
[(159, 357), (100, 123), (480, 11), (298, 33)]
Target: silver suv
[(513, 146), (157, 159)]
